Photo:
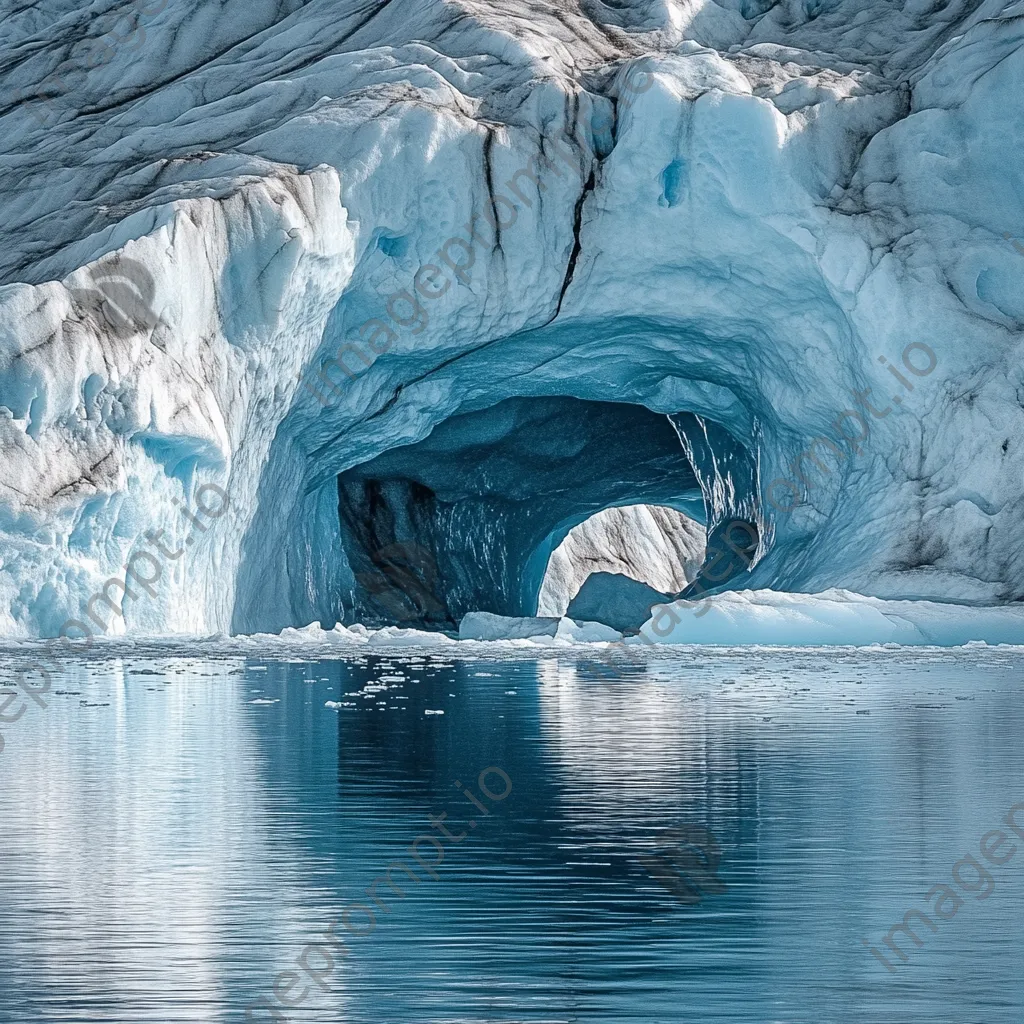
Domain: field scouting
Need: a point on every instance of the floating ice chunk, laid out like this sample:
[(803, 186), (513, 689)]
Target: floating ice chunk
[(357, 634), (488, 626), (835, 617), (394, 636), (312, 632), (586, 632)]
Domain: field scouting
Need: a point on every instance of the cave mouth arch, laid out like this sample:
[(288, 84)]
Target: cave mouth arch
[(467, 518), (311, 531)]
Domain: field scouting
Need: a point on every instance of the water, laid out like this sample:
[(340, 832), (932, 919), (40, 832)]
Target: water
[(176, 832)]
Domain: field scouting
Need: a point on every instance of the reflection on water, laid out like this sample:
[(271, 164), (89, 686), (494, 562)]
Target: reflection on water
[(709, 838)]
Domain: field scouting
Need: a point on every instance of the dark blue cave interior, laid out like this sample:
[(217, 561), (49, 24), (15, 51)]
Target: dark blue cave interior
[(467, 518)]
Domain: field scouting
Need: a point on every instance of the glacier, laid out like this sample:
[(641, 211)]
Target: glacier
[(421, 287)]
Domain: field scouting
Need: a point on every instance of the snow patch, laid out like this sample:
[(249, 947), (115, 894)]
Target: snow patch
[(834, 617)]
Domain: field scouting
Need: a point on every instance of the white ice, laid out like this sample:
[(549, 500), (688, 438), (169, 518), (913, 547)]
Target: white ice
[(835, 617), (759, 204)]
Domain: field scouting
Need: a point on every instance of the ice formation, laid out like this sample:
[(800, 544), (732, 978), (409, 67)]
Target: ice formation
[(834, 617), (616, 599), (386, 274), (647, 543), (487, 626)]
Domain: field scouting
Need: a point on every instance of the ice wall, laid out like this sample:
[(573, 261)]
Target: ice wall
[(797, 222)]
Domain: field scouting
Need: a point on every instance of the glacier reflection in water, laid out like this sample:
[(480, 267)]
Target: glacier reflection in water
[(176, 830)]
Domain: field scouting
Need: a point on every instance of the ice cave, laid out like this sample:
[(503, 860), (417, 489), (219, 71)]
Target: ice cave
[(511, 510), (419, 298)]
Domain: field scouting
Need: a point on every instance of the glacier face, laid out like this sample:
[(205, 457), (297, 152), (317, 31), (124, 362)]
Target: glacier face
[(788, 231)]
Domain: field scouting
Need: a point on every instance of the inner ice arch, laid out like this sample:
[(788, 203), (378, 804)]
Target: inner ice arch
[(377, 278), (467, 518), (656, 545)]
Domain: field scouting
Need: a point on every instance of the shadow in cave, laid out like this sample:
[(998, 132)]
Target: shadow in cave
[(466, 519)]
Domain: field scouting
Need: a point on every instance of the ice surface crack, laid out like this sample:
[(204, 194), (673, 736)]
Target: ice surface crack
[(577, 245)]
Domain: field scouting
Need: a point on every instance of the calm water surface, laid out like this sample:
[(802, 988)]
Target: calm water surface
[(175, 832)]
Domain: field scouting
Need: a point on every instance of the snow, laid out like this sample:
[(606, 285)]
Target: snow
[(736, 620), (760, 213), (835, 617)]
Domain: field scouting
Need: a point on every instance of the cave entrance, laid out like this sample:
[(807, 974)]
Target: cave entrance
[(655, 545), (467, 519)]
